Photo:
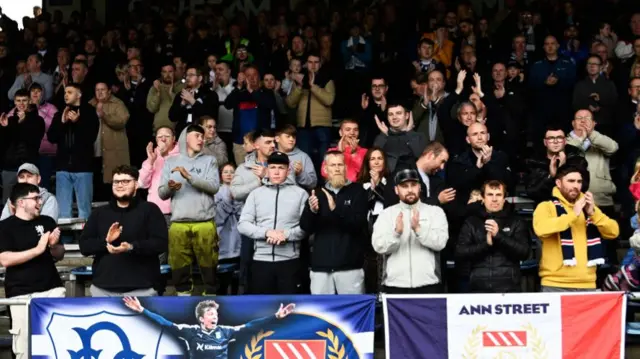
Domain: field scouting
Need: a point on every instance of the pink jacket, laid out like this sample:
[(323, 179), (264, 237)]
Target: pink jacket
[(150, 178), (46, 111), (353, 162)]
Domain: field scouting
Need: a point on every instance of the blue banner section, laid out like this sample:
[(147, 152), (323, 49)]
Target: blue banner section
[(245, 327)]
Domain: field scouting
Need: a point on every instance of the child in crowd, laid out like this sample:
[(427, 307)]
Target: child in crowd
[(248, 143), (227, 215), (295, 67)]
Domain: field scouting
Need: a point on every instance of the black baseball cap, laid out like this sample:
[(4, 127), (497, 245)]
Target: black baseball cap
[(405, 176), (278, 158)]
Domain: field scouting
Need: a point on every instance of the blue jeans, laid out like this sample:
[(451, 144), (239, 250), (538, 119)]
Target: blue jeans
[(46, 165), (315, 142), (82, 184)]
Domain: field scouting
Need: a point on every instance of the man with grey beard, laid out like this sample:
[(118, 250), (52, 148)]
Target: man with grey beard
[(337, 215)]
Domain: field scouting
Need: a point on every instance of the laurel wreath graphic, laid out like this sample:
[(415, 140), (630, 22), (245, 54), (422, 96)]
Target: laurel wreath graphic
[(334, 345), (254, 348), (472, 345)]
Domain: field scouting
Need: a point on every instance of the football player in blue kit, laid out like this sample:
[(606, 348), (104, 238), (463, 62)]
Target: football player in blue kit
[(207, 340)]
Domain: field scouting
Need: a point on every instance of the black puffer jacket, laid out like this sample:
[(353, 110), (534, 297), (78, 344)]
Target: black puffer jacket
[(496, 268)]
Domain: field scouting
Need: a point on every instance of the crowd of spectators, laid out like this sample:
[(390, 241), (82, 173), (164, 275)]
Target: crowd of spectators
[(347, 148)]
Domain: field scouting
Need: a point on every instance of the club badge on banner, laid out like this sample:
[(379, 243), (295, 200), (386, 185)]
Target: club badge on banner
[(245, 327), (493, 326)]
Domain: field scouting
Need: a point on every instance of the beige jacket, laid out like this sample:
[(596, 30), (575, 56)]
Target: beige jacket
[(113, 136), (159, 103), (321, 101), (599, 148)]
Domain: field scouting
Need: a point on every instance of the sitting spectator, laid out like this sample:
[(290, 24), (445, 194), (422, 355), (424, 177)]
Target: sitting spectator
[(271, 218), (570, 229), (21, 134), (494, 241), (125, 239), (29, 173), (213, 144), (337, 216), (228, 212), (151, 171), (410, 232), (302, 167), (74, 130), (28, 256), (349, 146), (192, 231)]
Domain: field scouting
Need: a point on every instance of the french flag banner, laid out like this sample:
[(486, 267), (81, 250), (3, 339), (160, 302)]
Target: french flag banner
[(523, 326)]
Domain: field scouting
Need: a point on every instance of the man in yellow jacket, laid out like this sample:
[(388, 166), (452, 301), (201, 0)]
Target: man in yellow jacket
[(570, 228)]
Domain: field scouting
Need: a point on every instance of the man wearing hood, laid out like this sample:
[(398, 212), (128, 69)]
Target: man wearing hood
[(29, 173), (337, 215), (248, 177), (302, 166), (493, 241), (191, 180), (20, 134), (125, 240), (271, 218)]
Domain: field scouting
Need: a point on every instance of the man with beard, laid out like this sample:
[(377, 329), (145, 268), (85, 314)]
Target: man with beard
[(409, 235), (193, 102), (28, 247), (337, 215), (570, 228), (493, 241), (125, 238)]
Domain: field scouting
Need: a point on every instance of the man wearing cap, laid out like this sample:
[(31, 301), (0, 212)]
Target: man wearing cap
[(191, 179), (271, 218), (29, 173), (409, 235), (337, 215)]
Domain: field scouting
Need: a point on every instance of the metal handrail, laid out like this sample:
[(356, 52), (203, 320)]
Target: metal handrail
[(9, 301)]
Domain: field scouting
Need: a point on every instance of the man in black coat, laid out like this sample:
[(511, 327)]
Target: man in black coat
[(401, 144), (193, 102), (541, 169), (125, 238), (493, 242)]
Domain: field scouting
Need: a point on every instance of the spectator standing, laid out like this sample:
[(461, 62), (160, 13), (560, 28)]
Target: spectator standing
[(349, 145), (223, 86), (125, 239), (494, 241), (28, 248), (46, 110), (337, 215), (111, 146), (313, 96), (193, 102), (74, 131), (271, 218), (192, 231), (134, 95), (161, 96), (21, 134), (29, 173), (34, 74), (570, 228), (252, 106), (370, 109), (213, 144), (151, 172), (301, 166), (410, 232), (598, 94)]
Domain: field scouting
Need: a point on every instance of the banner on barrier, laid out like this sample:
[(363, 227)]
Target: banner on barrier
[(245, 327), (531, 325)]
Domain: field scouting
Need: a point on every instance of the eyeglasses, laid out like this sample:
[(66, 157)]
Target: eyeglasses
[(36, 198), (123, 182), (637, 87), (555, 139)]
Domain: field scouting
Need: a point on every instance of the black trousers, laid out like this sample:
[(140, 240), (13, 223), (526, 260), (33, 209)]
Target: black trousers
[(274, 277), (427, 289)]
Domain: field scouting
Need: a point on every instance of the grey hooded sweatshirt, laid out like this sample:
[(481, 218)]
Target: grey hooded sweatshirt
[(244, 180), (307, 178), (194, 201), (274, 207), (49, 206)]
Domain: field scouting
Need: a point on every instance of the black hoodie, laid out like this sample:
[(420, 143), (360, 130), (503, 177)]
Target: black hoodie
[(21, 140), (143, 226), (75, 139)]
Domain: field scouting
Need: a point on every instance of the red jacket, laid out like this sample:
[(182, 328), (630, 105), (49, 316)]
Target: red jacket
[(353, 162)]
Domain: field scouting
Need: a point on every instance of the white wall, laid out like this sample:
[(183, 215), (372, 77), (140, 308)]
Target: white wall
[(17, 9)]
